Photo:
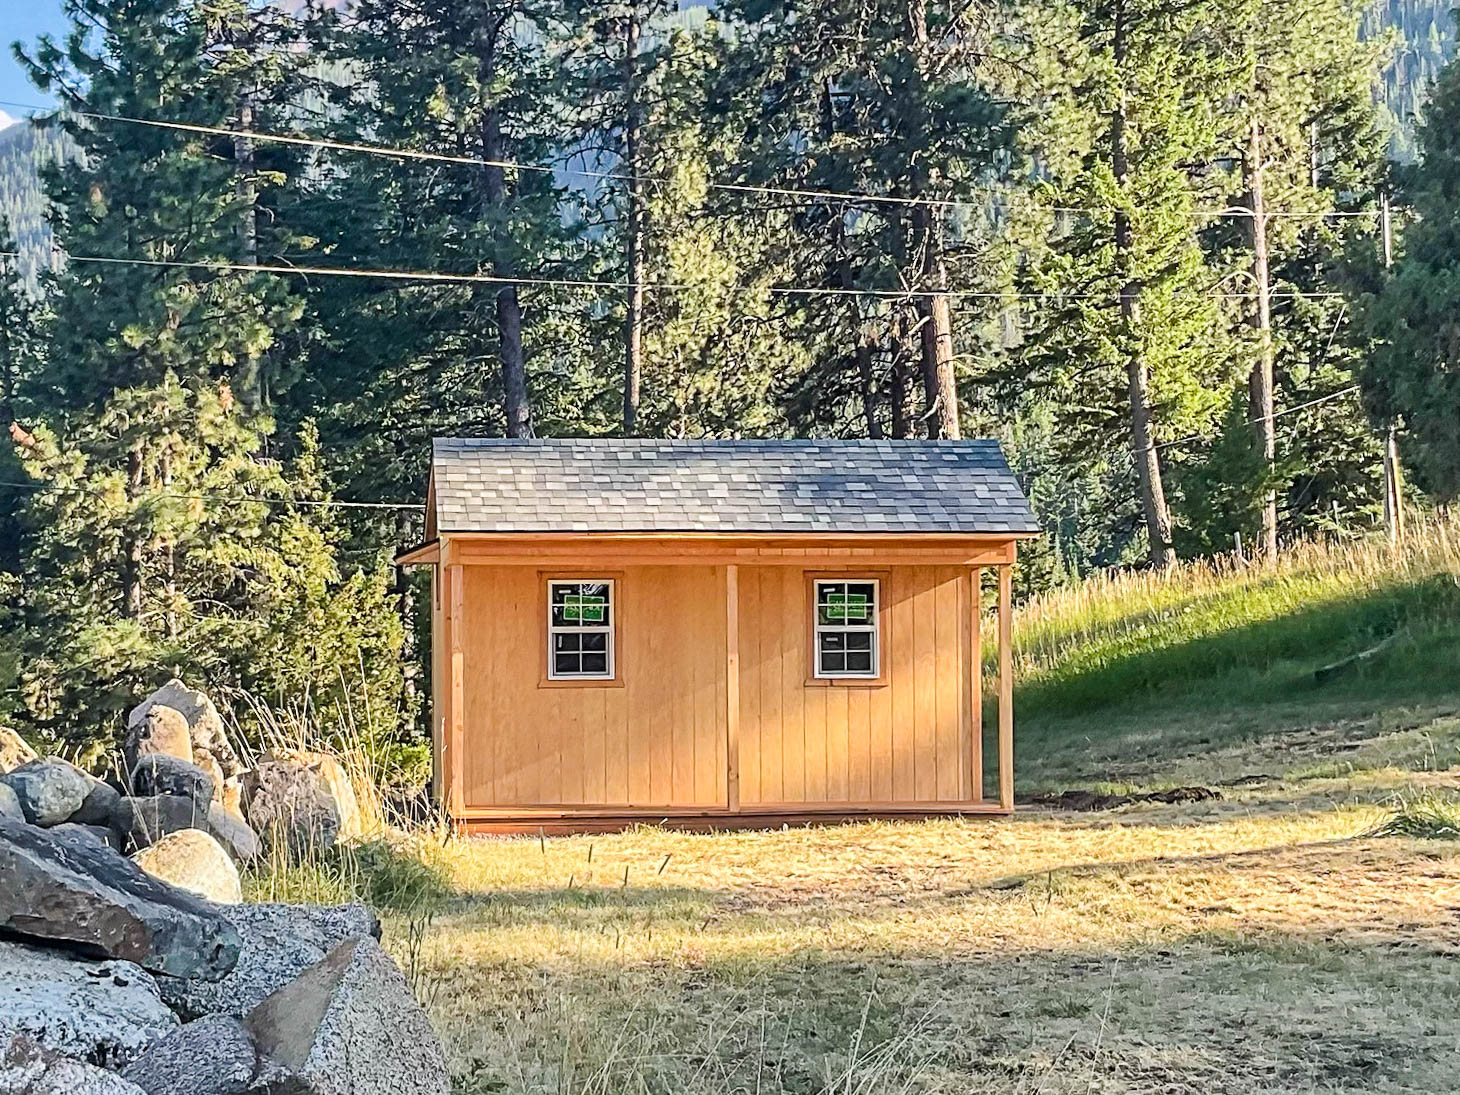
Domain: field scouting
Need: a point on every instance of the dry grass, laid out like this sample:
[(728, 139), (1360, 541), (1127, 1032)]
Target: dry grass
[(1264, 942)]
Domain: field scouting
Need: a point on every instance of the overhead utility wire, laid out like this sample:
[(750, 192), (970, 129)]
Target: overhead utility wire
[(1261, 418), (742, 188), (569, 283)]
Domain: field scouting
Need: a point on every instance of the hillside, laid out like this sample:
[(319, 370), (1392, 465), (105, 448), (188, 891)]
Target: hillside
[(24, 152)]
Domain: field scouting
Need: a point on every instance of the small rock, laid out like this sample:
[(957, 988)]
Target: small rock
[(231, 797), (27, 1069), (105, 1013), (14, 750), (290, 807), (205, 725), (213, 1056), (159, 729), (279, 943), (10, 804), (96, 834), (350, 1026), (233, 833), (142, 820), (68, 890), (50, 790), (99, 807), (192, 860), (161, 774), (209, 763)]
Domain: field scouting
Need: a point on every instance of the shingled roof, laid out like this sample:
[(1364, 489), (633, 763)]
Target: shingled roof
[(493, 485)]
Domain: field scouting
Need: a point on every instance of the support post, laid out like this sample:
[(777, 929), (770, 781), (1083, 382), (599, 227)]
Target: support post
[(975, 681), (732, 686), (1006, 687), (455, 727)]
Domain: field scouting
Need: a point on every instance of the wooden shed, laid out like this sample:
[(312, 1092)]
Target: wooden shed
[(717, 633)]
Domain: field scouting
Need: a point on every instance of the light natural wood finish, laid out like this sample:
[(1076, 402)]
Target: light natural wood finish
[(1006, 688), (456, 747), (974, 683), (732, 686)]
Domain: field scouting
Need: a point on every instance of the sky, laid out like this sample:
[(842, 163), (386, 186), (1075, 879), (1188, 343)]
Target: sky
[(23, 20)]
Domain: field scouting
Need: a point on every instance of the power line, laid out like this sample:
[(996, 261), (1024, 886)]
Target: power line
[(395, 152), (206, 497), (222, 266), (1261, 418)]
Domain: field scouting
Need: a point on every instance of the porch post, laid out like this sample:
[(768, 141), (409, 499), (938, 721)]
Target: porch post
[(1006, 687), (975, 683), (732, 686), (455, 728)]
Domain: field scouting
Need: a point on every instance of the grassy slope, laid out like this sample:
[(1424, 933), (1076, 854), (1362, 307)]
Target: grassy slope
[(1266, 942)]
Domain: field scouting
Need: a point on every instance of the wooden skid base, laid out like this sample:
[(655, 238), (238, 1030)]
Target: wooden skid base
[(566, 823)]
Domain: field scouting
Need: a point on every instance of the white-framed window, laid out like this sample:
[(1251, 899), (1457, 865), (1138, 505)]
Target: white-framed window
[(847, 638), (580, 629)]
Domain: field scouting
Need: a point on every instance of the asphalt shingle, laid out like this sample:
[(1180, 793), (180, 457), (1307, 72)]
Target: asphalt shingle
[(611, 485)]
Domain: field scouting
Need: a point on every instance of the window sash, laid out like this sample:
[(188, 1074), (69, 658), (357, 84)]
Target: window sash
[(581, 636), (836, 645)]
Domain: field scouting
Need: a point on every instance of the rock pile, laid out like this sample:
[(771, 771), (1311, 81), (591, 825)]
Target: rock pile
[(145, 975)]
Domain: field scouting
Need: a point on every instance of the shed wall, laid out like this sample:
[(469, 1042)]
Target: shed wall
[(659, 738)]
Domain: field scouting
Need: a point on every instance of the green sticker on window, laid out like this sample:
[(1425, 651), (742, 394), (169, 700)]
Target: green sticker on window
[(585, 608), (846, 607)]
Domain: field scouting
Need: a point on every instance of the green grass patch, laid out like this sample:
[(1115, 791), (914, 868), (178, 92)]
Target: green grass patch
[(1427, 816), (398, 874)]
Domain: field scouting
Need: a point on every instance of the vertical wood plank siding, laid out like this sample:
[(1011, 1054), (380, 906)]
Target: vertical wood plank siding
[(714, 663)]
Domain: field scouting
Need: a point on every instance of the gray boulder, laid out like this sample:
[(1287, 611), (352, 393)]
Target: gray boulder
[(157, 730), (205, 725), (105, 1013), (50, 790), (350, 1026), (95, 834), (14, 750), (160, 774), (10, 804), (69, 890), (241, 842), (213, 1056), (279, 943), (143, 820), (99, 807), (27, 1069), (290, 806), (192, 860)]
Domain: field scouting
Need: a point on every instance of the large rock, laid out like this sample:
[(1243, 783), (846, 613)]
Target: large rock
[(50, 790), (99, 807), (14, 750), (205, 726), (161, 774), (233, 833), (27, 1069), (158, 730), (10, 804), (145, 819), (192, 860), (213, 1056), (105, 1013), (69, 890), (350, 1026), (290, 806), (336, 781), (279, 943), (96, 834)]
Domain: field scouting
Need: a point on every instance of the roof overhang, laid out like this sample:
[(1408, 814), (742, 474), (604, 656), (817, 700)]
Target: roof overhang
[(427, 554)]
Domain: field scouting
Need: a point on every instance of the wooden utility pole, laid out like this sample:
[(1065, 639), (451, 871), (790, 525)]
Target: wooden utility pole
[(1393, 476), (1138, 381), (1260, 384), (634, 227)]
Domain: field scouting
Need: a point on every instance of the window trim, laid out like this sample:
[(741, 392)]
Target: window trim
[(814, 677), (546, 581)]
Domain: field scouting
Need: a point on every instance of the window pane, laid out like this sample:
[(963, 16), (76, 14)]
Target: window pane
[(596, 641), (595, 664), (833, 662), (567, 643), (845, 602), (566, 665), (581, 604), (859, 640), (834, 641), (859, 662)]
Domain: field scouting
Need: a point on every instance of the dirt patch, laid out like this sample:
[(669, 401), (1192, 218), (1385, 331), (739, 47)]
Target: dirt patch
[(1088, 801)]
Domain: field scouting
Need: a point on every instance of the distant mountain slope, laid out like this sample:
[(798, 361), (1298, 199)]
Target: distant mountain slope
[(1427, 40), (24, 151)]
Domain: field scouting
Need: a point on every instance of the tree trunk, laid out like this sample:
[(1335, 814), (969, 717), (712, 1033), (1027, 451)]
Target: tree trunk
[(1138, 381), (250, 380), (132, 542), (515, 407), (634, 226), (898, 393), (939, 382), (1259, 389)]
